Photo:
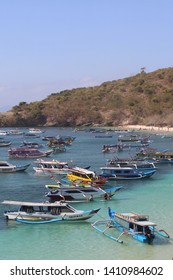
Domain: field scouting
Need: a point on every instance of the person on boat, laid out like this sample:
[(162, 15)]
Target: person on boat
[(91, 198), (106, 196), (149, 235)]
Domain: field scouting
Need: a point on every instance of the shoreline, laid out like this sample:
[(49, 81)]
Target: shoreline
[(149, 128)]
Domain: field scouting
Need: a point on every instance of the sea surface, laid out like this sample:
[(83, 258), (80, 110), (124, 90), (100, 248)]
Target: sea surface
[(78, 240)]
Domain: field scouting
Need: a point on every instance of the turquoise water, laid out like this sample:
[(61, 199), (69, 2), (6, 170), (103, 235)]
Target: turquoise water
[(78, 240)]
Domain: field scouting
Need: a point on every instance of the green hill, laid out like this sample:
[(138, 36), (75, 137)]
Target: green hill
[(146, 98)]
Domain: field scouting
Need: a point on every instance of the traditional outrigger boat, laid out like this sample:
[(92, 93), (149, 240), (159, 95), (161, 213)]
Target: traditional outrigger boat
[(135, 225), (45, 212), (80, 193)]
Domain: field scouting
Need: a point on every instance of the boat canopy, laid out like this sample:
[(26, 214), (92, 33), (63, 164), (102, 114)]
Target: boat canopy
[(53, 162), (12, 202), (141, 220), (82, 171)]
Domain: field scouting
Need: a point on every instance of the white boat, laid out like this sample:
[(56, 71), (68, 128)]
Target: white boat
[(138, 165), (6, 167), (45, 212), (15, 132), (3, 132), (51, 167), (35, 130)]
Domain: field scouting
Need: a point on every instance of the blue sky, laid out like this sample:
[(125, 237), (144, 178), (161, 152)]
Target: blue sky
[(51, 45)]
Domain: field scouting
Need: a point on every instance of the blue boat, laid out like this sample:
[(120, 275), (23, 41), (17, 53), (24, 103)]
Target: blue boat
[(125, 173), (135, 225), (139, 165)]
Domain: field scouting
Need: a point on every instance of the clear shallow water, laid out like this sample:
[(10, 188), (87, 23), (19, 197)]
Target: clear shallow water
[(78, 240)]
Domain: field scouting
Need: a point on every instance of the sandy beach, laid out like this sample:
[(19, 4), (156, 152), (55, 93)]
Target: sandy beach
[(150, 128)]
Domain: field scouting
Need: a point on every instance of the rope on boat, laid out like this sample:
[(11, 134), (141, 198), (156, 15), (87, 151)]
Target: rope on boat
[(102, 217)]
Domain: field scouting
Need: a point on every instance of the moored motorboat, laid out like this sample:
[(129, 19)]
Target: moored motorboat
[(135, 225), (136, 164), (27, 153), (31, 145), (125, 173), (15, 132), (85, 175), (6, 167), (45, 212), (31, 135), (59, 149), (51, 167), (35, 130), (159, 157), (4, 132), (4, 143), (84, 193)]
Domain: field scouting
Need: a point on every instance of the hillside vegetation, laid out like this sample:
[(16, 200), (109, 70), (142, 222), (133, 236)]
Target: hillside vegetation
[(146, 98)]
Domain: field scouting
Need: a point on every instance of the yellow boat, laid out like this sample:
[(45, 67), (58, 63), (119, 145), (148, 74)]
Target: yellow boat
[(85, 176), (81, 174)]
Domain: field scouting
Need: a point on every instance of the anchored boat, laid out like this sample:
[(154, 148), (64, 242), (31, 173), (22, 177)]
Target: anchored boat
[(45, 212), (27, 153), (85, 175), (80, 193), (51, 167), (125, 173), (6, 167), (135, 225)]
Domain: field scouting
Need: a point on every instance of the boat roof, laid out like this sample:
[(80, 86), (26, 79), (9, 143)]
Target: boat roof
[(24, 203), (22, 149), (116, 167), (142, 220), (164, 153), (50, 161), (82, 170), (80, 188), (6, 164)]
